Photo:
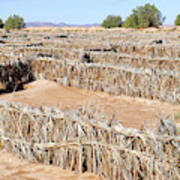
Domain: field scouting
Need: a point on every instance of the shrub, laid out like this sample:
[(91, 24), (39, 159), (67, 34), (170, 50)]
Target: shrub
[(112, 21), (1, 23), (144, 16), (14, 76), (177, 21), (14, 22)]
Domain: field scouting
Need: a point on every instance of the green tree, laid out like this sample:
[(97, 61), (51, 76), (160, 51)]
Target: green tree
[(144, 16), (1, 23), (131, 21), (177, 21), (14, 22), (112, 21)]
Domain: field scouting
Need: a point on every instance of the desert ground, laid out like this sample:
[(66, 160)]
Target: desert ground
[(130, 77), (11, 168), (131, 112)]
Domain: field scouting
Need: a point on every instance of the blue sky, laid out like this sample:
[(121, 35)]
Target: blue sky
[(82, 11)]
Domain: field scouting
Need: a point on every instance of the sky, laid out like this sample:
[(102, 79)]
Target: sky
[(82, 11)]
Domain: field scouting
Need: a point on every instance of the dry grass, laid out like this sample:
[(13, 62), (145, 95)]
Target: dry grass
[(85, 141), (135, 82), (177, 115), (101, 29)]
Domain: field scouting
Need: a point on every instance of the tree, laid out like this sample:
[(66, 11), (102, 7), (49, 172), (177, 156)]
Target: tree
[(177, 21), (112, 21), (144, 16), (132, 20), (1, 23), (14, 22)]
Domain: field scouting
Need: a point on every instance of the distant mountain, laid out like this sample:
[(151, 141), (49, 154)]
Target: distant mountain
[(39, 24)]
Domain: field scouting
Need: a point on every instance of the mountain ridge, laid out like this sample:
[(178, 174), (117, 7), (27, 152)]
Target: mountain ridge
[(62, 24)]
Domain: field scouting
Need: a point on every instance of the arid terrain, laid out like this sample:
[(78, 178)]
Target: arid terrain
[(78, 98), (132, 112), (13, 168)]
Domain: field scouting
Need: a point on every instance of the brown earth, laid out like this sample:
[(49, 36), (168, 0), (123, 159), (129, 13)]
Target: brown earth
[(132, 112), (2, 86), (13, 168)]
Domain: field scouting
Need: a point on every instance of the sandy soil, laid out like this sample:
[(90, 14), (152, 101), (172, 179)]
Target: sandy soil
[(2, 86), (131, 111), (13, 168)]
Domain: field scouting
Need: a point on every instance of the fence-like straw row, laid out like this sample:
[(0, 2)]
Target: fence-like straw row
[(163, 64), (85, 141), (150, 50), (165, 50), (146, 83), (119, 43), (141, 78), (119, 59), (154, 50)]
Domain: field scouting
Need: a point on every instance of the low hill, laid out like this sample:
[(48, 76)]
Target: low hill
[(40, 24)]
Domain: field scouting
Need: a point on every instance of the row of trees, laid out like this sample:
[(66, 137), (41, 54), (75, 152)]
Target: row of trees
[(13, 22), (141, 17)]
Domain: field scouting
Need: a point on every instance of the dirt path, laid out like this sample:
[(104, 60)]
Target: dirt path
[(13, 168), (131, 111)]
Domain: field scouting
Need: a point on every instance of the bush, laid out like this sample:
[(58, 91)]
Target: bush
[(144, 16), (14, 22), (14, 76), (177, 21), (1, 23), (112, 21)]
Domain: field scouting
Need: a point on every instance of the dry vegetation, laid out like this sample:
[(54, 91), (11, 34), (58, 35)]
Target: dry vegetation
[(84, 141), (141, 64)]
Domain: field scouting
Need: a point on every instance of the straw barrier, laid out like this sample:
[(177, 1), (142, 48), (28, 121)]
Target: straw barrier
[(167, 63), (151, 83), (85, 141), (130, 81)]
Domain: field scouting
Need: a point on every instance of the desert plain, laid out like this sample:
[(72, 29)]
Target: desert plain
[(90, 103)]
